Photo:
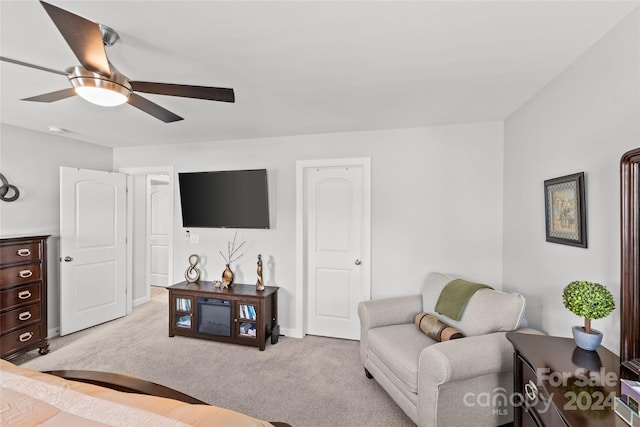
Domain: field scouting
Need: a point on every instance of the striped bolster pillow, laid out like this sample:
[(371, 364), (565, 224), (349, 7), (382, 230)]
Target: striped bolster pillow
[(435, 328)]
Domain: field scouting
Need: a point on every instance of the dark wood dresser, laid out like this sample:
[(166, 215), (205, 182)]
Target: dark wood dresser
[(23, 295), (558, 384)]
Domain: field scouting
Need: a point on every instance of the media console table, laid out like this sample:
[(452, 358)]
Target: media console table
[(239, 314)]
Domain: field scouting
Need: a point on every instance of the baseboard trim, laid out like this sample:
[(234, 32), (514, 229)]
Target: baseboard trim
[(139, 301), (292, 333)]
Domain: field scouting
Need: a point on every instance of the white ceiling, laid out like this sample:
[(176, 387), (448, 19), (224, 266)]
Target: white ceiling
[(301, 67)]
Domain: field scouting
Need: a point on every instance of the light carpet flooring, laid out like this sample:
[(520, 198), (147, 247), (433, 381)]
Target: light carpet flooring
[(314, 381)]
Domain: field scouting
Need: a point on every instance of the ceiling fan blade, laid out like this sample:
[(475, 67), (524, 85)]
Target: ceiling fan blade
[(26, 64), (152, 108), (186, 91), (83, 37), (53, 96)]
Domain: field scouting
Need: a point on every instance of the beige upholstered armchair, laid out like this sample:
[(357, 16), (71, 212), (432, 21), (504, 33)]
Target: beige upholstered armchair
[(455, 383)]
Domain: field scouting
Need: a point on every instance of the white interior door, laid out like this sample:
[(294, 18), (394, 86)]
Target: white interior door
[(335, 218), (159, 228), (92, 248)]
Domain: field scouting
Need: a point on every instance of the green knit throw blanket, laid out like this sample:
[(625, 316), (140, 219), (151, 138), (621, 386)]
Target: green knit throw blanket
[(454, 297)]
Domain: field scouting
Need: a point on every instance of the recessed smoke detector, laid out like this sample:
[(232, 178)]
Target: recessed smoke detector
[(56, 129)]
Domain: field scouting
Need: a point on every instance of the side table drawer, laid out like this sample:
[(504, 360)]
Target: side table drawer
[(23, 337), (536, 400), (20, 295), (19, 317), (19, 253), (18, 274)]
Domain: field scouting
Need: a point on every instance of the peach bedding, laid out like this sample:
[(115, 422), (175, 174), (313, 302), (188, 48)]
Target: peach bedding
[(29, 398)]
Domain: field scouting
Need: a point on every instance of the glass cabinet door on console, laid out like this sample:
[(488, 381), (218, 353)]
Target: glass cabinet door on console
[(246, 319), (183, 312)]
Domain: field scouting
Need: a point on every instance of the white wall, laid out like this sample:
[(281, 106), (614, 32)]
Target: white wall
[(31, 161), (584, 120), (437, 197), (436, 204)]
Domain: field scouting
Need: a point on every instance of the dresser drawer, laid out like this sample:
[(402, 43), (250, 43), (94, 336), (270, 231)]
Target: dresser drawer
[(23, 337), (23, 295), (19, 253), (11, 276), (20, 295), (536, 400), (19, 317)]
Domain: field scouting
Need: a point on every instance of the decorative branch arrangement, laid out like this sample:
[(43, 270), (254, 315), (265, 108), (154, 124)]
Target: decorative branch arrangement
[(232, 251)]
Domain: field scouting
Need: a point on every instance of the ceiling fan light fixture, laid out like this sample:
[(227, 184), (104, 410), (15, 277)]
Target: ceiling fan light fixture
[(101, 96), (100, 90)]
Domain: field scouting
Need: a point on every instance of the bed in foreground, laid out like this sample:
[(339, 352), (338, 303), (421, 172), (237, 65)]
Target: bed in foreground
[(29, 397)]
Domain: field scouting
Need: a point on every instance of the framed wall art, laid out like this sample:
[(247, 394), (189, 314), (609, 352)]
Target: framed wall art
[(565, 210)]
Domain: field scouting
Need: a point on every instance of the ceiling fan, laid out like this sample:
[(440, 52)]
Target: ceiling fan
[(99, 82)]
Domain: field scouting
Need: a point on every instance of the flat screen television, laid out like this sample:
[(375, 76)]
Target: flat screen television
[(224, 199)]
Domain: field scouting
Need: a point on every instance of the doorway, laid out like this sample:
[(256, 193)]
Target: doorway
[(159, 228), (149, 230), (334, 249)]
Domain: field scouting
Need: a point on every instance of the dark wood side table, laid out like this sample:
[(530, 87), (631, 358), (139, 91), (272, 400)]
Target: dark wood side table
[(559, 384)]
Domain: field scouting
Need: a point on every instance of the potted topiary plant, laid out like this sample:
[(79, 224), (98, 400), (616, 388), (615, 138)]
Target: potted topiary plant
[(591, 301)]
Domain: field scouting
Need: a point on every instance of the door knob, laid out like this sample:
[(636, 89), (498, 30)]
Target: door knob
[(358, 262), (68, 259)]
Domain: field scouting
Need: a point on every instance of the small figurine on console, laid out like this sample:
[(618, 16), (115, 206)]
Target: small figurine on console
[(260, 283)]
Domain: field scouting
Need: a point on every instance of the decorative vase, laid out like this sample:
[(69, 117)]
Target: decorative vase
[(227, 277), (586, 341)]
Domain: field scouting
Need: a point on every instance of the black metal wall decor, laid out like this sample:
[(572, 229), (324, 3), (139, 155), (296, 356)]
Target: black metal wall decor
[(8, 192)]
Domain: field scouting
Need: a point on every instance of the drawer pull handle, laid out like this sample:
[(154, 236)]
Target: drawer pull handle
[(25, 337), (26, 274), (24, 294), (24, 252), (530, 390), (25, 315)]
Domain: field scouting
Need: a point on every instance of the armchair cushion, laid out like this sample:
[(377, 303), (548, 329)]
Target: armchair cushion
[(384, 344), (487, 311)]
